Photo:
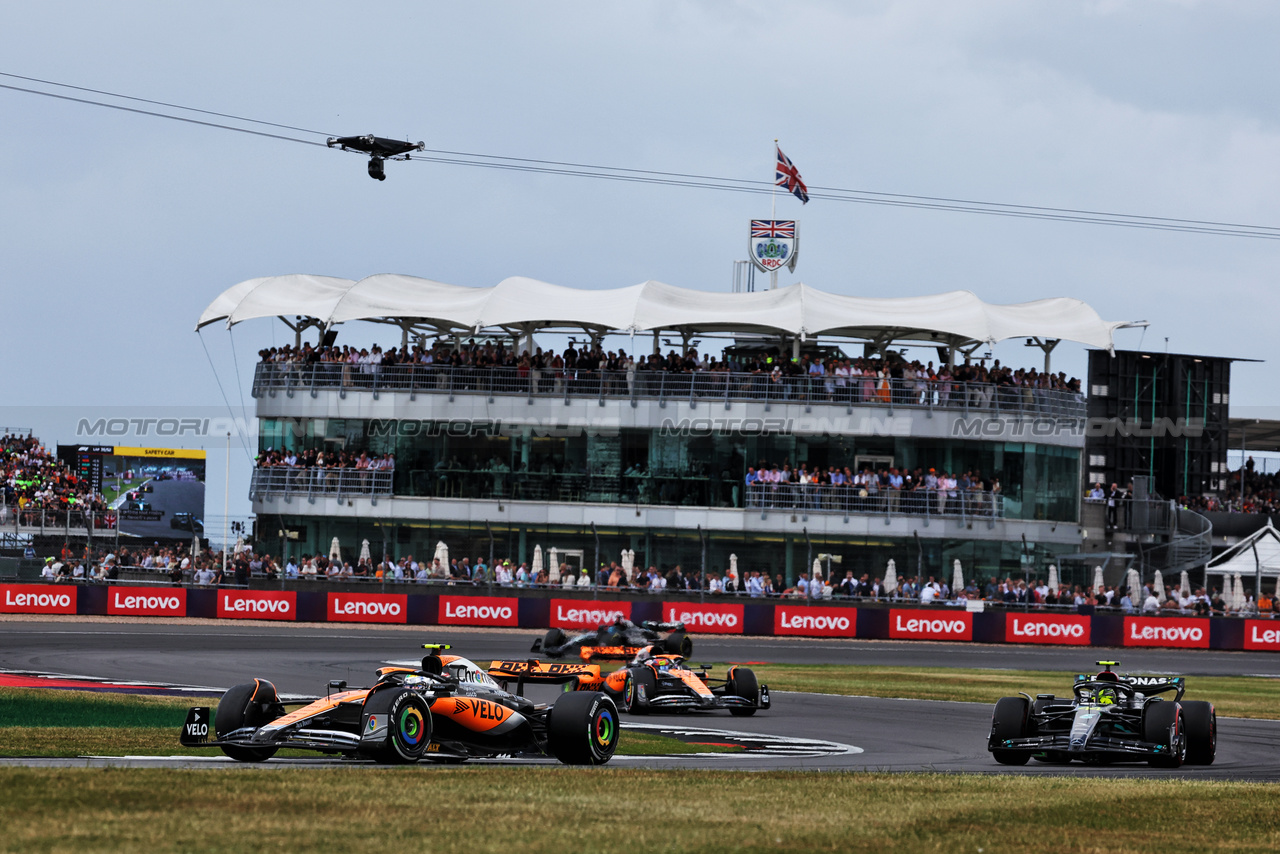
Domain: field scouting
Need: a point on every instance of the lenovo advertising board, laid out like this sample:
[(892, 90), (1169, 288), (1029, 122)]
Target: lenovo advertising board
[(585, 613), (367, 608), (37, 599), (147, 601), (943, 624), (815, 621), (1180, 632), (1047, 628), (479, 611), (1262, 635), (258, 604), (711, 617)]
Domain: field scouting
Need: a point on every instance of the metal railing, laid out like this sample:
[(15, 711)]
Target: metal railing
[(854, 500), (32, 519), (271, 378), (661, 490), (311, 482)]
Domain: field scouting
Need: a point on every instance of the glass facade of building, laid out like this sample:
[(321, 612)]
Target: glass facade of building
[(666, 466)]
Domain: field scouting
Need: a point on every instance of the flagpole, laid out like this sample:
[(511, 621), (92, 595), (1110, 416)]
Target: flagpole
[(773, 209), (773, 196)]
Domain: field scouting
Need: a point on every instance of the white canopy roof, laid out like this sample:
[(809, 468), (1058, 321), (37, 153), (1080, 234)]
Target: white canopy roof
[(1240, 557), (528, 304)]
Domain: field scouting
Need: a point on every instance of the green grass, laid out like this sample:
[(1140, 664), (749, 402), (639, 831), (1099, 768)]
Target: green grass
[(1235, 696), (43, 722), (611, 809)]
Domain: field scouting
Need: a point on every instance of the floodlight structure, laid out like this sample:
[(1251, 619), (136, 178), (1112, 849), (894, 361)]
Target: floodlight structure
[(379, 148)]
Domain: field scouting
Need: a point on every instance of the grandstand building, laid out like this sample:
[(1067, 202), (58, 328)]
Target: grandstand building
[(684, 464)]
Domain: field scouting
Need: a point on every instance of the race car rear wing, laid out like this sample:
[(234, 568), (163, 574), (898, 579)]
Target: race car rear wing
[(535, 672), (1147, 685)]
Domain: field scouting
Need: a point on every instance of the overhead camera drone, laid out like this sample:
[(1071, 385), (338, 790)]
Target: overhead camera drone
[(378, 148)]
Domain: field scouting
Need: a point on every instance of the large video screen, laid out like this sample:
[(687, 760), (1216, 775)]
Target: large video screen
[(155, 493)]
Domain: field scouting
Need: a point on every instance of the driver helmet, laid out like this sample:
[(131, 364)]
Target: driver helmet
[(1106, 696)]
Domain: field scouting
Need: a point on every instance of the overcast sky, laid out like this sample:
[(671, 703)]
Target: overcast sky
[(117, 229)]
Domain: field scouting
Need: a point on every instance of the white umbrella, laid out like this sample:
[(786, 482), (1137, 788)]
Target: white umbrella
[(817, 568), (890, 578), (957, 578), (1159, 587), (1098, 583), (536, 569), (365, 557), (1277, 593), (442, 555), (1053, 578), (1184, 585), (733, 568), (335, 550), (1135, 588), (239, 545), (628, 563), (1237, 593), (553, 567), (195, 546)]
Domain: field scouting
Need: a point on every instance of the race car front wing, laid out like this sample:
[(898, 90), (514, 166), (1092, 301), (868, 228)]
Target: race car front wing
[(1062, 742)]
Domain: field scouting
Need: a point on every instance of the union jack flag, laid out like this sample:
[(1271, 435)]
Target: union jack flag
[(773, 228), (788, 178)]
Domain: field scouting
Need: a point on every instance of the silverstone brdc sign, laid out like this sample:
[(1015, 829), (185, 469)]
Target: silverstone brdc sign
[(775, 243)]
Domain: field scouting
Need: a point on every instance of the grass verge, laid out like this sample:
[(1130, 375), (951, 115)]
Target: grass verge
[(556, 810)]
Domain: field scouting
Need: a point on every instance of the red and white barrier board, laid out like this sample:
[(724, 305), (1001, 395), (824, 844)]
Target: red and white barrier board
[(147, 601), (479, 611), (1047, 628), (815, 621), (258, 604), (1182, 633), (712, 617), (367, 608), (939, 625), (37, 599), (1262, 635), (586, 614)]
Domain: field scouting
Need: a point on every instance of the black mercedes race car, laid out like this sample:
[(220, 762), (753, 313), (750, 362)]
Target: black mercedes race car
[(1108, 718), (663, 681), (448, 710), (620, 640)]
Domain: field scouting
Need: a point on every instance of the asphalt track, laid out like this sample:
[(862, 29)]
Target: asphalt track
[(861, 733)]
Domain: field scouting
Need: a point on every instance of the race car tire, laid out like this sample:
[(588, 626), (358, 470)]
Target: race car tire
[(1163, 724), (582, 728), (408, 726), (627, 697), (678, 643), (646, 686), (252, 704), (743, 683), (1009, 720), (1201, 722), (553, 638)]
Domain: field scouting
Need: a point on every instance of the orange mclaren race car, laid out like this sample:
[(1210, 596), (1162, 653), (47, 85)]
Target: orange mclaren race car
[(620, 640), (448, 710), (663, 681), (619, 685)]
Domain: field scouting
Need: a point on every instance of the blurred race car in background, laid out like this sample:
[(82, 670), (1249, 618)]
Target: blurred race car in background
[(620, 640), (448, 710), (664, 681), (1108, 718)]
